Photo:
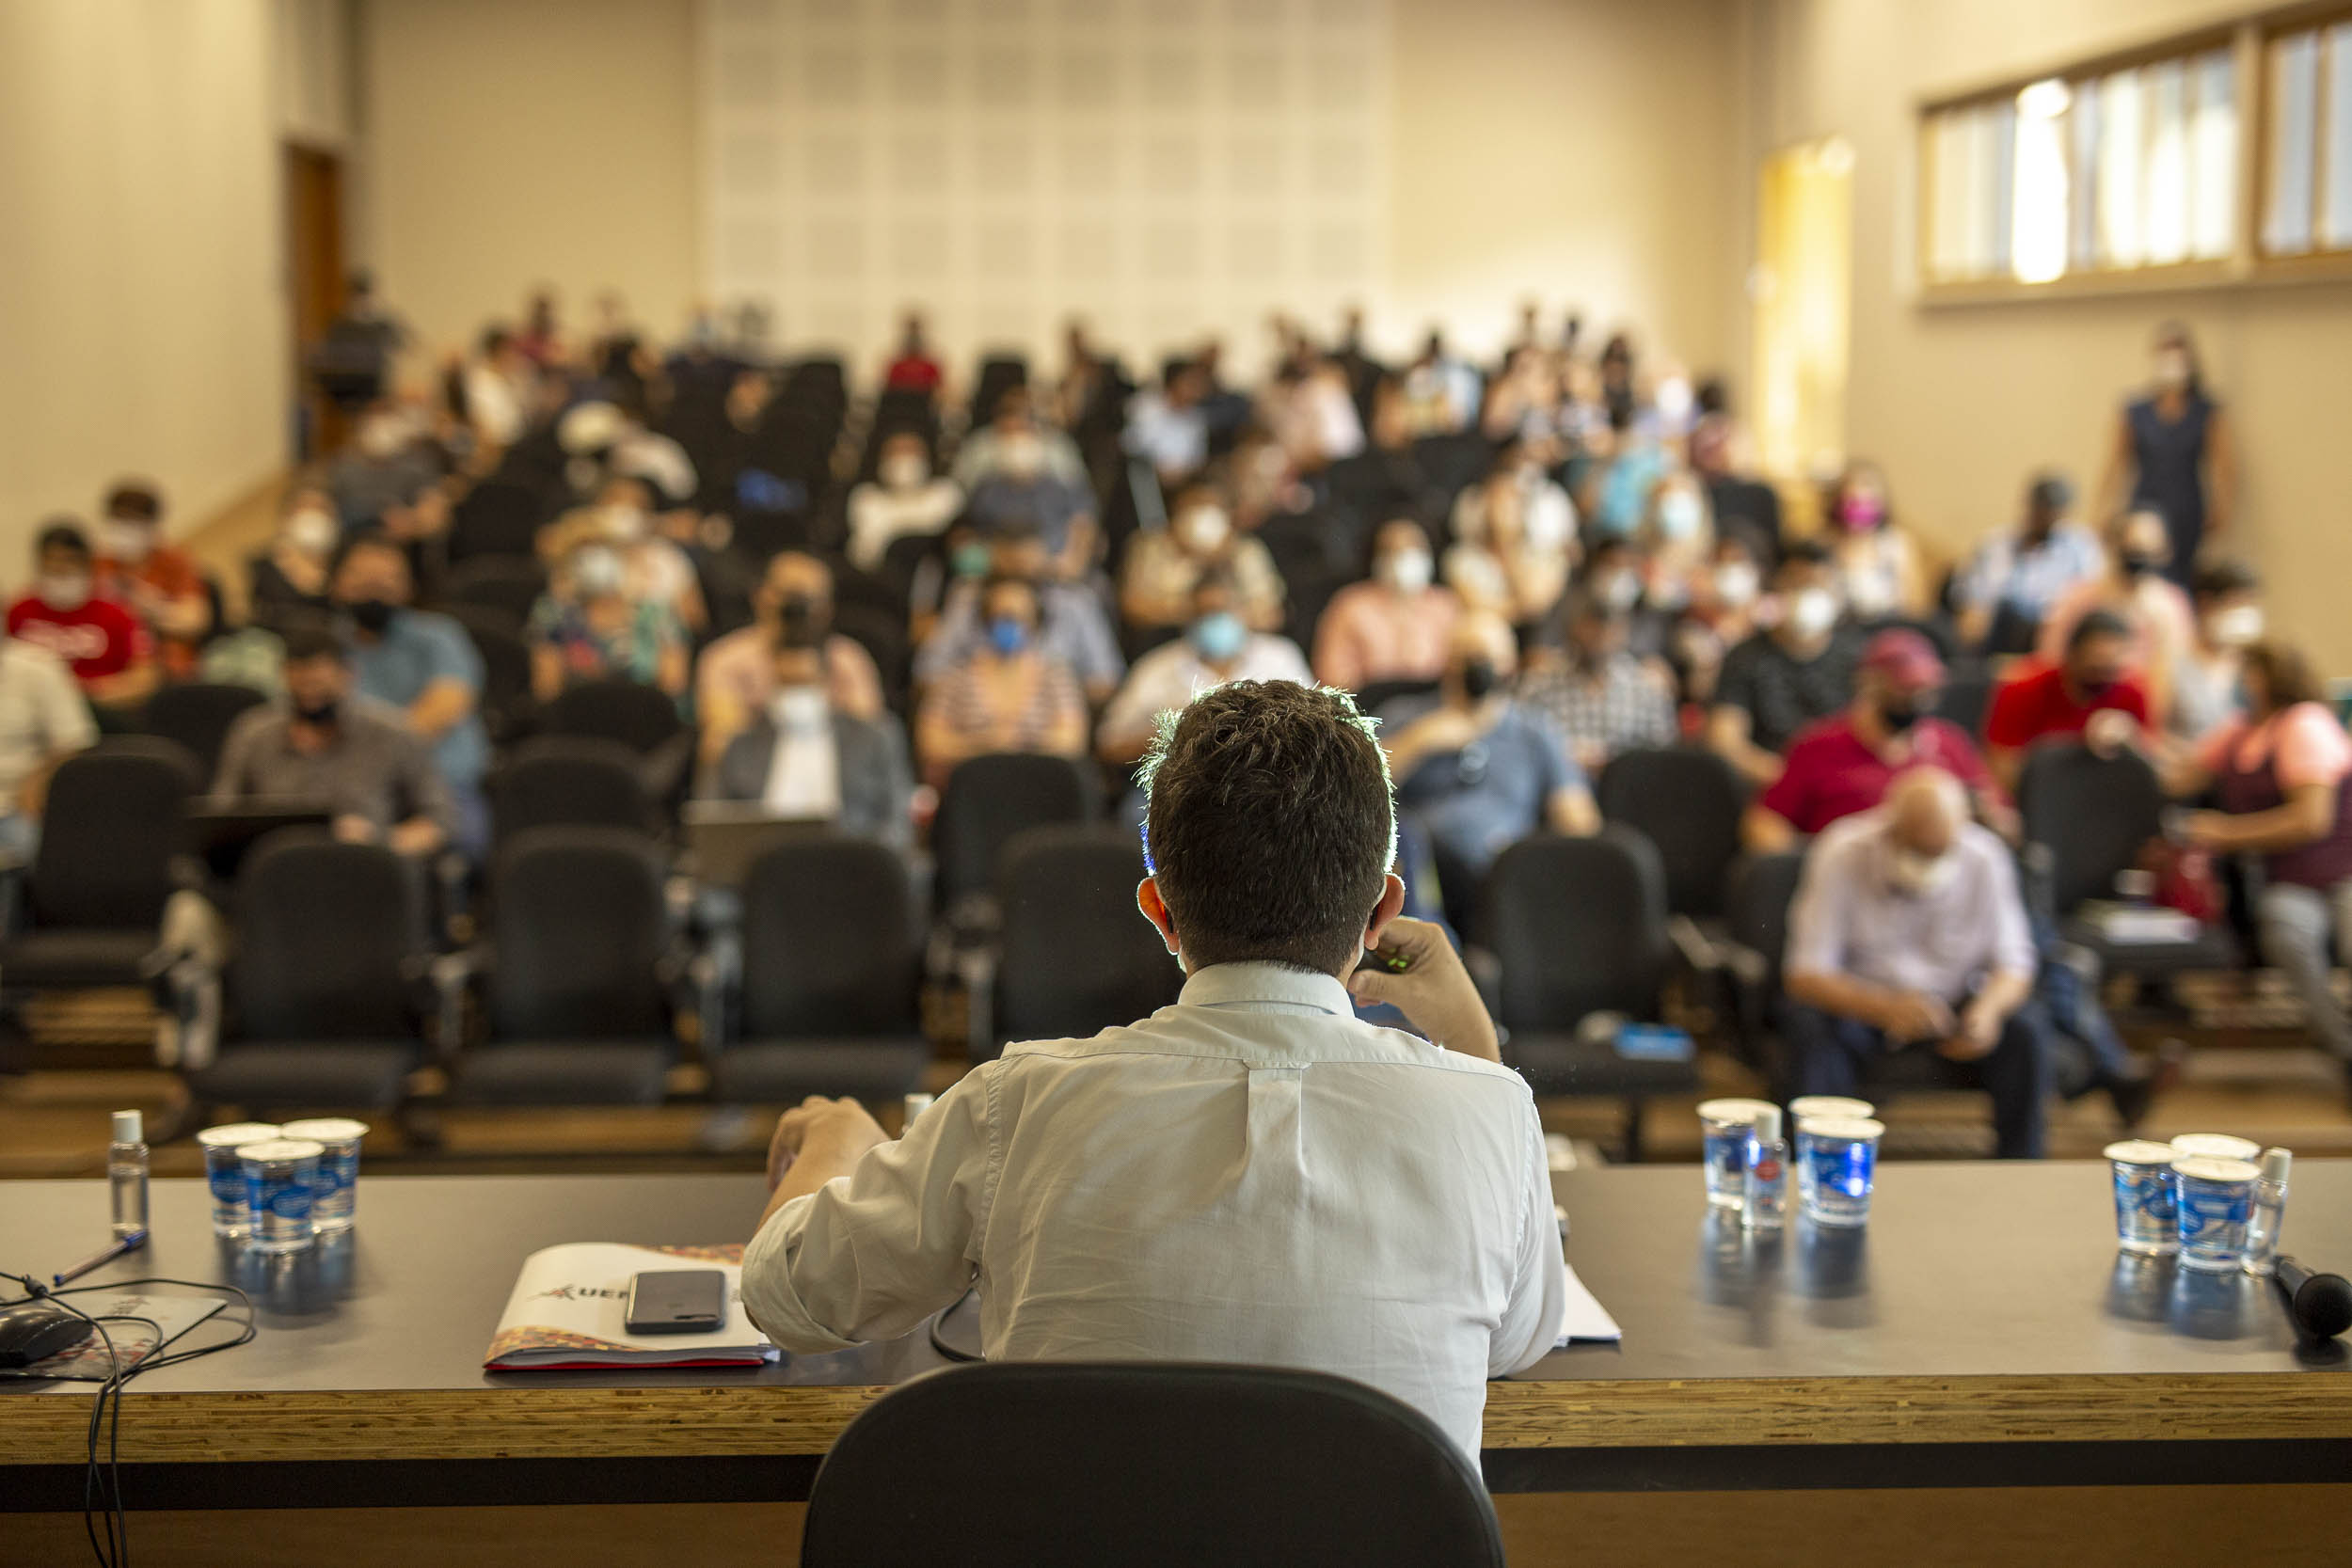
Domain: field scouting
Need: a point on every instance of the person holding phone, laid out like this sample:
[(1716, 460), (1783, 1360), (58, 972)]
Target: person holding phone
[(1250, 1175)]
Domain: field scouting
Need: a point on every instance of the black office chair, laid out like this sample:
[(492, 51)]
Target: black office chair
[(1077, 957), (884, 636), (197, 715), (1379, 694), (1967, 696), (1577, 927), (642, 717), (1047, 1465), (1687, 801), (327, 990), (824, 979), (497, 517), (569, 781), (578, 979), (508, 584), (510, 710), (1000, 374), (990, 798)]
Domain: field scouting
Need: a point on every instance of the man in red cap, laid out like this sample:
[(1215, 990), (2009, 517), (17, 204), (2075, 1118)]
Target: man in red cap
[(1842, 765)]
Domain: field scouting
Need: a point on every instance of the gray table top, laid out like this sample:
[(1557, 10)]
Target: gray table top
[(1966, 1269)]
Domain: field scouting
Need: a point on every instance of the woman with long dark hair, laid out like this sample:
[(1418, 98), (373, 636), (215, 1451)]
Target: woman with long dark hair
[(2176, 448)]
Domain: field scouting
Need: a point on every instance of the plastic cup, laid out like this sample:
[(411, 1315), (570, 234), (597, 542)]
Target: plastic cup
[(1821, 1107), (2213, 1199), (1725, 1124), (2215, 1146), (2145, 1223), (1844, 1158), (224, 1173), (279, 1176), (334, 1201)]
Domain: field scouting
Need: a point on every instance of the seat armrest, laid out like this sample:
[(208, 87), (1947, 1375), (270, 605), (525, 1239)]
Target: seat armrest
[(715, 975), (452, 975), (1748, 966), (1697, 949)]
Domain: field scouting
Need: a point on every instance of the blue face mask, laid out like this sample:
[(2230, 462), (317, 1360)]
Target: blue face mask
[(1218, 636), (1008, 636)]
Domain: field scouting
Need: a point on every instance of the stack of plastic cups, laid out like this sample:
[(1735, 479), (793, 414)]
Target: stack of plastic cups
[(232, 1212), (1818, 1107), (334, 1202), (2144, 1216)]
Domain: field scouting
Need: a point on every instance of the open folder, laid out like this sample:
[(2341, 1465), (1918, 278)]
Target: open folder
[(1585, 1319), (567, 1311)]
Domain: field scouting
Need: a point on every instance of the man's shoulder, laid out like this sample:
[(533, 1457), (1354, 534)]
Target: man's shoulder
[(1180, 1033), (430, 626), (1820, 738)]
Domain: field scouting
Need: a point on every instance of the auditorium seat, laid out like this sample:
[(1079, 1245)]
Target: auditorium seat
[(509, 585), (1687, 801), (1077, 956), (642, 717), (569, 781), (990, 798), (509, 709), (197, 715), (497, 517), (1044, 1464)]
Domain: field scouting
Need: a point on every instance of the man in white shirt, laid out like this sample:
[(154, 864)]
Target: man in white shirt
[(1218, 646), (43, 720), (1251, 1174)]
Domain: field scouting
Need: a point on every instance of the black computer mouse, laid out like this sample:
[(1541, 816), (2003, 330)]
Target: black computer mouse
[(36, 1330)]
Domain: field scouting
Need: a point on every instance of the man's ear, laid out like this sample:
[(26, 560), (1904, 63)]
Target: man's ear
[(1391, 905), (1155, 910)]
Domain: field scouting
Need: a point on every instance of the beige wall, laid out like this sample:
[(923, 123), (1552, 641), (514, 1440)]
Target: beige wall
[(142, 320), (1960, 402)]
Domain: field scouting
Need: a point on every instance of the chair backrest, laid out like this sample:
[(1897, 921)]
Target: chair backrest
[(197, 715), (116, 819), (328, 937), (642, 717), (828, 944), (1688, 802), (1967, 694), (578, 926), (1078, 957), (1058, 1465), (1755, 906), (1578, 925), (2095, 814), (497, 517), (987, 800), (884, 637), (1379, 694), (507, 584), (580, 781), (507, 697)]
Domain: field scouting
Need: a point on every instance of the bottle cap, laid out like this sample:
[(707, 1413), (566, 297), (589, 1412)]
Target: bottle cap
[(129, 1128), (2276, 1164), (1766, 1124)]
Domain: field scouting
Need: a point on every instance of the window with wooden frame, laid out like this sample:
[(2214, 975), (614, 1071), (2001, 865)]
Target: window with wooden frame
[(2307, 141)]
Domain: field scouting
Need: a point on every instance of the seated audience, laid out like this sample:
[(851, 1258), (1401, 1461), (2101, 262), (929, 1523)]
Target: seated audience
[(1908, 932), (653, 570), (904, 498), (288, 580), (2008, 588), (1168, 426), (1677, 538), (1476, 770), (502, 389), (1843, 764), (1441, 393), (1878, 570), (1164, 565), (2068, 699), (1311, 413), (387, 479), (1218, 646), (1732, 497), (983, 453), (1008, 695), (587, 627), (912, 369), (1722, 613), (1514, 540), (1598, 695), (1393, 627), (104, 645), (735, 675), (2134, 587), (1023, 492), (420, 666), (1073, 627), (155, 581), (2277, 774), (327, 743), (2228, 620), (43, 720), (801, 757), (1799, 669)]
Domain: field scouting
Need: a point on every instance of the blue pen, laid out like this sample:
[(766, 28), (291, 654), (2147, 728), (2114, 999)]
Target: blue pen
[(121, 1244)]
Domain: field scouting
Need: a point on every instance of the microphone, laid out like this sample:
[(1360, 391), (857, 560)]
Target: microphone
[(2320, 1304)]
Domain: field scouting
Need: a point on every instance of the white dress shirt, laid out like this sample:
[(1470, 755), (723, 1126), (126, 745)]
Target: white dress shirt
[(1253, 1175)]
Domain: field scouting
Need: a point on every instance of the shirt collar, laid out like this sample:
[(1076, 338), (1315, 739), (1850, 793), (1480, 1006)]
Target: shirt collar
[(1223, 983)]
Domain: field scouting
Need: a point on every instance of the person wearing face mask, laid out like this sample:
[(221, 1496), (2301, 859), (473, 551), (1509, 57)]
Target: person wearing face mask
[(1009, 696), (43, 720), (904, 498), (1908, 932), (1024, 488), (1163, 564), (1393, 627), (2174, 455), (1845, 764), (1725, 593), (800, 758), (325, 742), (654, 569), (156, 582), (1798, 670), (1514, 539), (734, 677), (1878, 566), (1599, 696), (287, 582), (1169, 426), (586, 626), (1016, 419), (2008, 588), (2227, 597), (2088, 694), (1732, 496), (1477, 769), (1074, 627), (386, 479), (419, 665), (1676, 539), (107, 648), (2133, 586), (1218, 646)]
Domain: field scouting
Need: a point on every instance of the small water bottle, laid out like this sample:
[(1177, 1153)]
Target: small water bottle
[(2269, 1212), (1764, 1189), (126, 1174)]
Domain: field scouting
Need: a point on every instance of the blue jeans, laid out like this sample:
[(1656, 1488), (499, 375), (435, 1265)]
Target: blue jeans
[(1833, 1056)]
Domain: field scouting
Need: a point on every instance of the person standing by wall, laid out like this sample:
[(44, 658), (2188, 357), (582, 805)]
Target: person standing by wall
[(2177, 448)]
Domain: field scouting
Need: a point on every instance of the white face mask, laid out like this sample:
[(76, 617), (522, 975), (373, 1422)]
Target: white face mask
[(1408, 571), (1204, 529), (1023, 456), (312, 531), (904, 470), (381, 437), (125, 541), (63, 590), (1914, 875), (1619, 590), (2236, 626), (624, 524), (1813, 612), (798, 709), (1736, 583), (1680, 514), (596, 572), (1546, 523)]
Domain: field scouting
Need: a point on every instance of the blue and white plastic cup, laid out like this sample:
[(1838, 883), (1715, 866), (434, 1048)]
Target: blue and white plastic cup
[(1820, 1107), (334, 1201), (1843, 1157), (2145, 1221), (224, 1173), (2215, 1146), (279, 1176), (2213, 1199), (1725, 1125)]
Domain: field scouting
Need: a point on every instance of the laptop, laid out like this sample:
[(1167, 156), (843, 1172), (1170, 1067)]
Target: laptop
[(221, 832), (724, 837)]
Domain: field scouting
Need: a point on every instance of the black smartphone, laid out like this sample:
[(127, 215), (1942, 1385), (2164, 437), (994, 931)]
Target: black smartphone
[(676, 1301)]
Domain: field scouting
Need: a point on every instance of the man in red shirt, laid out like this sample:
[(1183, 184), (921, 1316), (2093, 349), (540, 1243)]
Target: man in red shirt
[(107, 648), (1842, 765), (2089, 694), (156, 582)]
